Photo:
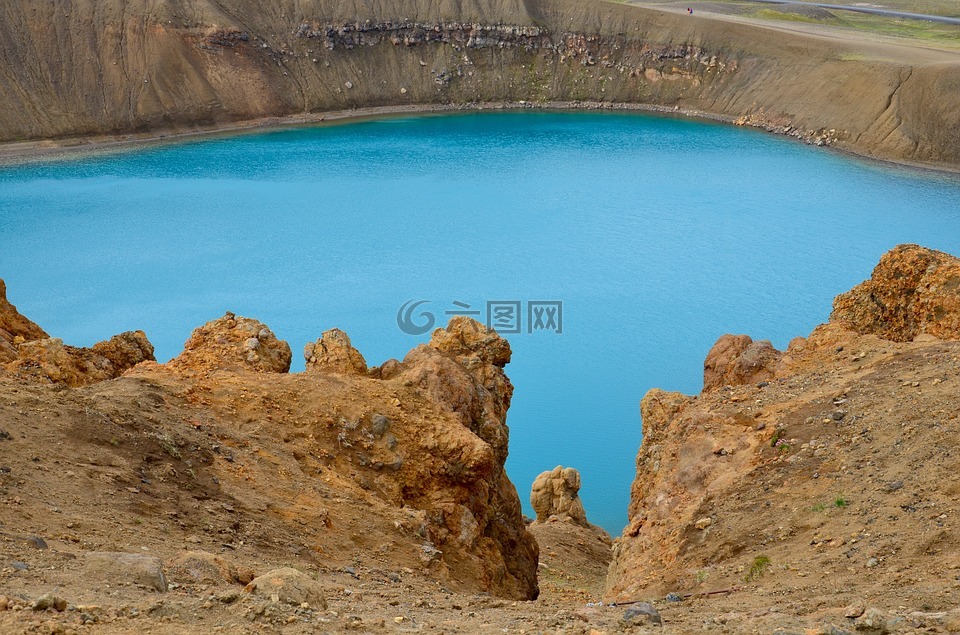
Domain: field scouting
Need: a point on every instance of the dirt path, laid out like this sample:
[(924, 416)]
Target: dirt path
[(872, 45)]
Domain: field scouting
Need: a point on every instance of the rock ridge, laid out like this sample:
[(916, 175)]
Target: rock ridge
[(791, 466)]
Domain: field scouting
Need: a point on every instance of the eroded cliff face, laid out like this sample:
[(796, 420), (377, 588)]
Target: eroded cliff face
[(121, 67), (14, 328), (400, 466), (913, 291), (823, 466)]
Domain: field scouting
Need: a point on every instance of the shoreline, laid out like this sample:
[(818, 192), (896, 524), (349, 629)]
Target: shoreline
[(19, 153)]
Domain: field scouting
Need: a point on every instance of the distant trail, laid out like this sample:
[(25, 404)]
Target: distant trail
[(870, 10)]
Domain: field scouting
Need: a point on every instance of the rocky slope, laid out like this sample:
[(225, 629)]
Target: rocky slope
[(14, 328), (810, 485), (121, 67), (400, 464), (808, 490)]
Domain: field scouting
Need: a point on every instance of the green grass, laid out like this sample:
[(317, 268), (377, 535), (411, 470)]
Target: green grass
[(773, 14), (758, 568), (840, 501)]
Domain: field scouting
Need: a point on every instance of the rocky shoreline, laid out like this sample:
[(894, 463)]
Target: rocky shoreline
[(221, 71), (14, 154)]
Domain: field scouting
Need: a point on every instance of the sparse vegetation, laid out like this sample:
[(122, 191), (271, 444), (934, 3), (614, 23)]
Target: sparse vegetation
[(169, 445), (758, 568), (840, 501), (776, 437)]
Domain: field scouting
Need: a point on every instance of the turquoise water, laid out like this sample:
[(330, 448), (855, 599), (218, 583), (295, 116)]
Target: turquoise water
[(657, 235)]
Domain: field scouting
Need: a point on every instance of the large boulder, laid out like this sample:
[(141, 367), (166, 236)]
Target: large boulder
[(555, 493), (735, 360), (333, 353), (912, 291), (234, 343), (288, 586)]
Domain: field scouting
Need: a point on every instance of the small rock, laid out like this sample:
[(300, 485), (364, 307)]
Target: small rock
[(642, 611), (4, 603), (50, 601), (19, 566), (228, 597), (703, 523), (894, 486), (873, 621), (379, 425), (348, 84), (855, 609), (36, 541), (674, 597), (872, 562)]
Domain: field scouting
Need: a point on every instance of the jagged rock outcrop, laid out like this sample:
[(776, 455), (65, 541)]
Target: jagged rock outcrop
[(763, 486), (233, 343), (333, 353), (414, 450), (737, 359), (555, 493), (14, 328), (51, 361), (912, 291), (475, 508)]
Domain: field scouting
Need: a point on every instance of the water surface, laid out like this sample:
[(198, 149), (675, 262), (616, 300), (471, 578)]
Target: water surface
[(657, 234)]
